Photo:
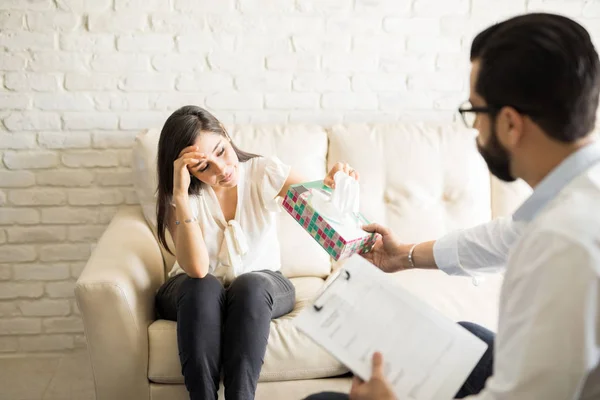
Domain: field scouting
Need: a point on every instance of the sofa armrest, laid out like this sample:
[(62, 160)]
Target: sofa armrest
[(115, 294)]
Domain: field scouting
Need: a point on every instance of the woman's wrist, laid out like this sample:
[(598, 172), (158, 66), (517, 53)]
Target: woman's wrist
[(180, 198)]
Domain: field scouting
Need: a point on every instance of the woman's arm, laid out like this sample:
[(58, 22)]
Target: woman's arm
[(190, 248), (295, 178)]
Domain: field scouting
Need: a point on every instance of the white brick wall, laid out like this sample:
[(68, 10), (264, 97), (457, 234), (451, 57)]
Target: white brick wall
[(79, 78)]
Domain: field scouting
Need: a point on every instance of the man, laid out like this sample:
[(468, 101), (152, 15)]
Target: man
[(534, 87)]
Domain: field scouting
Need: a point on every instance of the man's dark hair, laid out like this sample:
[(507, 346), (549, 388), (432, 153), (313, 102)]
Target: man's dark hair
[(544, 66)]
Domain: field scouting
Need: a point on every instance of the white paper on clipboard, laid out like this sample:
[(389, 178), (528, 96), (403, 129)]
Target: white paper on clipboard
[(426, 355)]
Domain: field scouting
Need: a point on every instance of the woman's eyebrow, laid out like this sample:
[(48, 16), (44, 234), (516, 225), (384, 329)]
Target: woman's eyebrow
[(218, 144)]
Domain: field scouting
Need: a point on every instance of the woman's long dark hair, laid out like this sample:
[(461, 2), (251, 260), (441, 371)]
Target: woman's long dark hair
[(181, 130)]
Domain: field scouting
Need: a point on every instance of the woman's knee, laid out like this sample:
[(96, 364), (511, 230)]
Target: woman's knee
[(252, 289), (199, 292)]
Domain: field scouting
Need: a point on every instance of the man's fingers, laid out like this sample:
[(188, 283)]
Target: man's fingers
[(376, 228), (377, 365)]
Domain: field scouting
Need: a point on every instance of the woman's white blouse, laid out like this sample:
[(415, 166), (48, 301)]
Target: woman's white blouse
[(249, 241)]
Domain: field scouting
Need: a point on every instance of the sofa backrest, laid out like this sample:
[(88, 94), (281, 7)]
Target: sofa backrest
[(421, 180)]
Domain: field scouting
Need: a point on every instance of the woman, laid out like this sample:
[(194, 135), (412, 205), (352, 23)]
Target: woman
[(218, 204)]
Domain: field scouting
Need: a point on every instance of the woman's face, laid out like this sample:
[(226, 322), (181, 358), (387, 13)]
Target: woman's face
[(218, 166)]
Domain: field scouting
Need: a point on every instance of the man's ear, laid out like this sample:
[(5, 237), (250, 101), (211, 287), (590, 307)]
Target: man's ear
[(509, 127)]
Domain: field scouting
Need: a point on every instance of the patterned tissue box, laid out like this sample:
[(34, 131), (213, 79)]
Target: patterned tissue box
[(340, 239)]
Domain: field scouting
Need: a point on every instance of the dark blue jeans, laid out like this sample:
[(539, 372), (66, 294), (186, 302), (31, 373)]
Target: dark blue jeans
[(474, 383), (224, 329)]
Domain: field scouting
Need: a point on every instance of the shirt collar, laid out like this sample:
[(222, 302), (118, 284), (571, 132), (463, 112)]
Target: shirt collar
[(557, 179)]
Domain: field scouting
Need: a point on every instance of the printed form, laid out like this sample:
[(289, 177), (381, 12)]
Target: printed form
[(427, 356)]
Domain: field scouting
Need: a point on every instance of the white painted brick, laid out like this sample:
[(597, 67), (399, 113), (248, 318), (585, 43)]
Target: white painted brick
[(179, 62), (292, 101), (59, 140), (240, 24), (175, 23), (50, 61), (63, 102), (77, 268), (372, 46), (142, 120), (91, 158), (8, 309), (31, 81), (114, 178), (412, 26), (84, 6), (11, 19), (349, 62), (148, 82), (432, 44), (238, 62), (80, 342), (65, 215), (15, 101), (37, 197), (123, 101), (327, 7), (106, 214), (235, 101), (269, 81), (30, 160), (354, 25), (458, 26), (67, 178), (383, 7), (261, 117), (125, 158), (148, 42), (117, 22), (84, 233), (440, 81), (20, 326), (453, 62), (204, 6), (40, 272), (449, 102), (90, 81), (9, 344), (404, 63), (591, 9), (23, 216), (37, 234), (63, 325), (264, 44), (379, 82), (293, 62), (2, 198), (321, 44), (13, 62), (89, 120), (173, 101), (205, 43), (142, 5), (27, 40), (46, 343), (320, 82), (567, 8), (44, 308), (397, 101), (205, 82), (64, 252), (60, 289), (87, 42), (442, 117), (52, 21), (89, 197), (434, 8), (32, 121), (16, 253), (119, 63), (326, 118), (275, 7), (5, 271), (349, 101), (17, 141), (17, 178), (113, 140), (131, 197)]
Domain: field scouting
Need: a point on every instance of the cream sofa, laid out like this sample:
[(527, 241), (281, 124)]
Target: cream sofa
[(421, 180)]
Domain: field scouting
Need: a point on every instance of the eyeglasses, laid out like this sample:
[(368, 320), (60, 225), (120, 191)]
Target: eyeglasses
[(469, 113)]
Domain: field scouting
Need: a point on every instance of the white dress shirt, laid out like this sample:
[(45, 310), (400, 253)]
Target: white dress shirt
[(548, 341)]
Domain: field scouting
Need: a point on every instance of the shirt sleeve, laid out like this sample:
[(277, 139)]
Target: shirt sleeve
[(275, 173), (478, 250), (547, 344)]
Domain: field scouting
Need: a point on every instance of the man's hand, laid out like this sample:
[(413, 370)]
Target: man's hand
[(376, 388), (388, 254)]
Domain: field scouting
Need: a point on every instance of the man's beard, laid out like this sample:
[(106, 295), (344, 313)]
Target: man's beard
[(497, 158)]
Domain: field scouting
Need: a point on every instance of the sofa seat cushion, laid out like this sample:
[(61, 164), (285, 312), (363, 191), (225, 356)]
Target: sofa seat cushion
[(291, 355)]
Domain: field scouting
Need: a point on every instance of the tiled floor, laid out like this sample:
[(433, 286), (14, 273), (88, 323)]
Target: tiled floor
[(67, 377)]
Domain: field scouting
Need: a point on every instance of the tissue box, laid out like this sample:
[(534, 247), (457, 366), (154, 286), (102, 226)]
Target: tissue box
[(339, 240)]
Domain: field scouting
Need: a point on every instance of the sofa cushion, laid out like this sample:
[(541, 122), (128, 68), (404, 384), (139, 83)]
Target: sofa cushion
[(290, 355), (304, 147)]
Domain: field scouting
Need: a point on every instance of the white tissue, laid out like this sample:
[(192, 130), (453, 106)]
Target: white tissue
[(343, 204)]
